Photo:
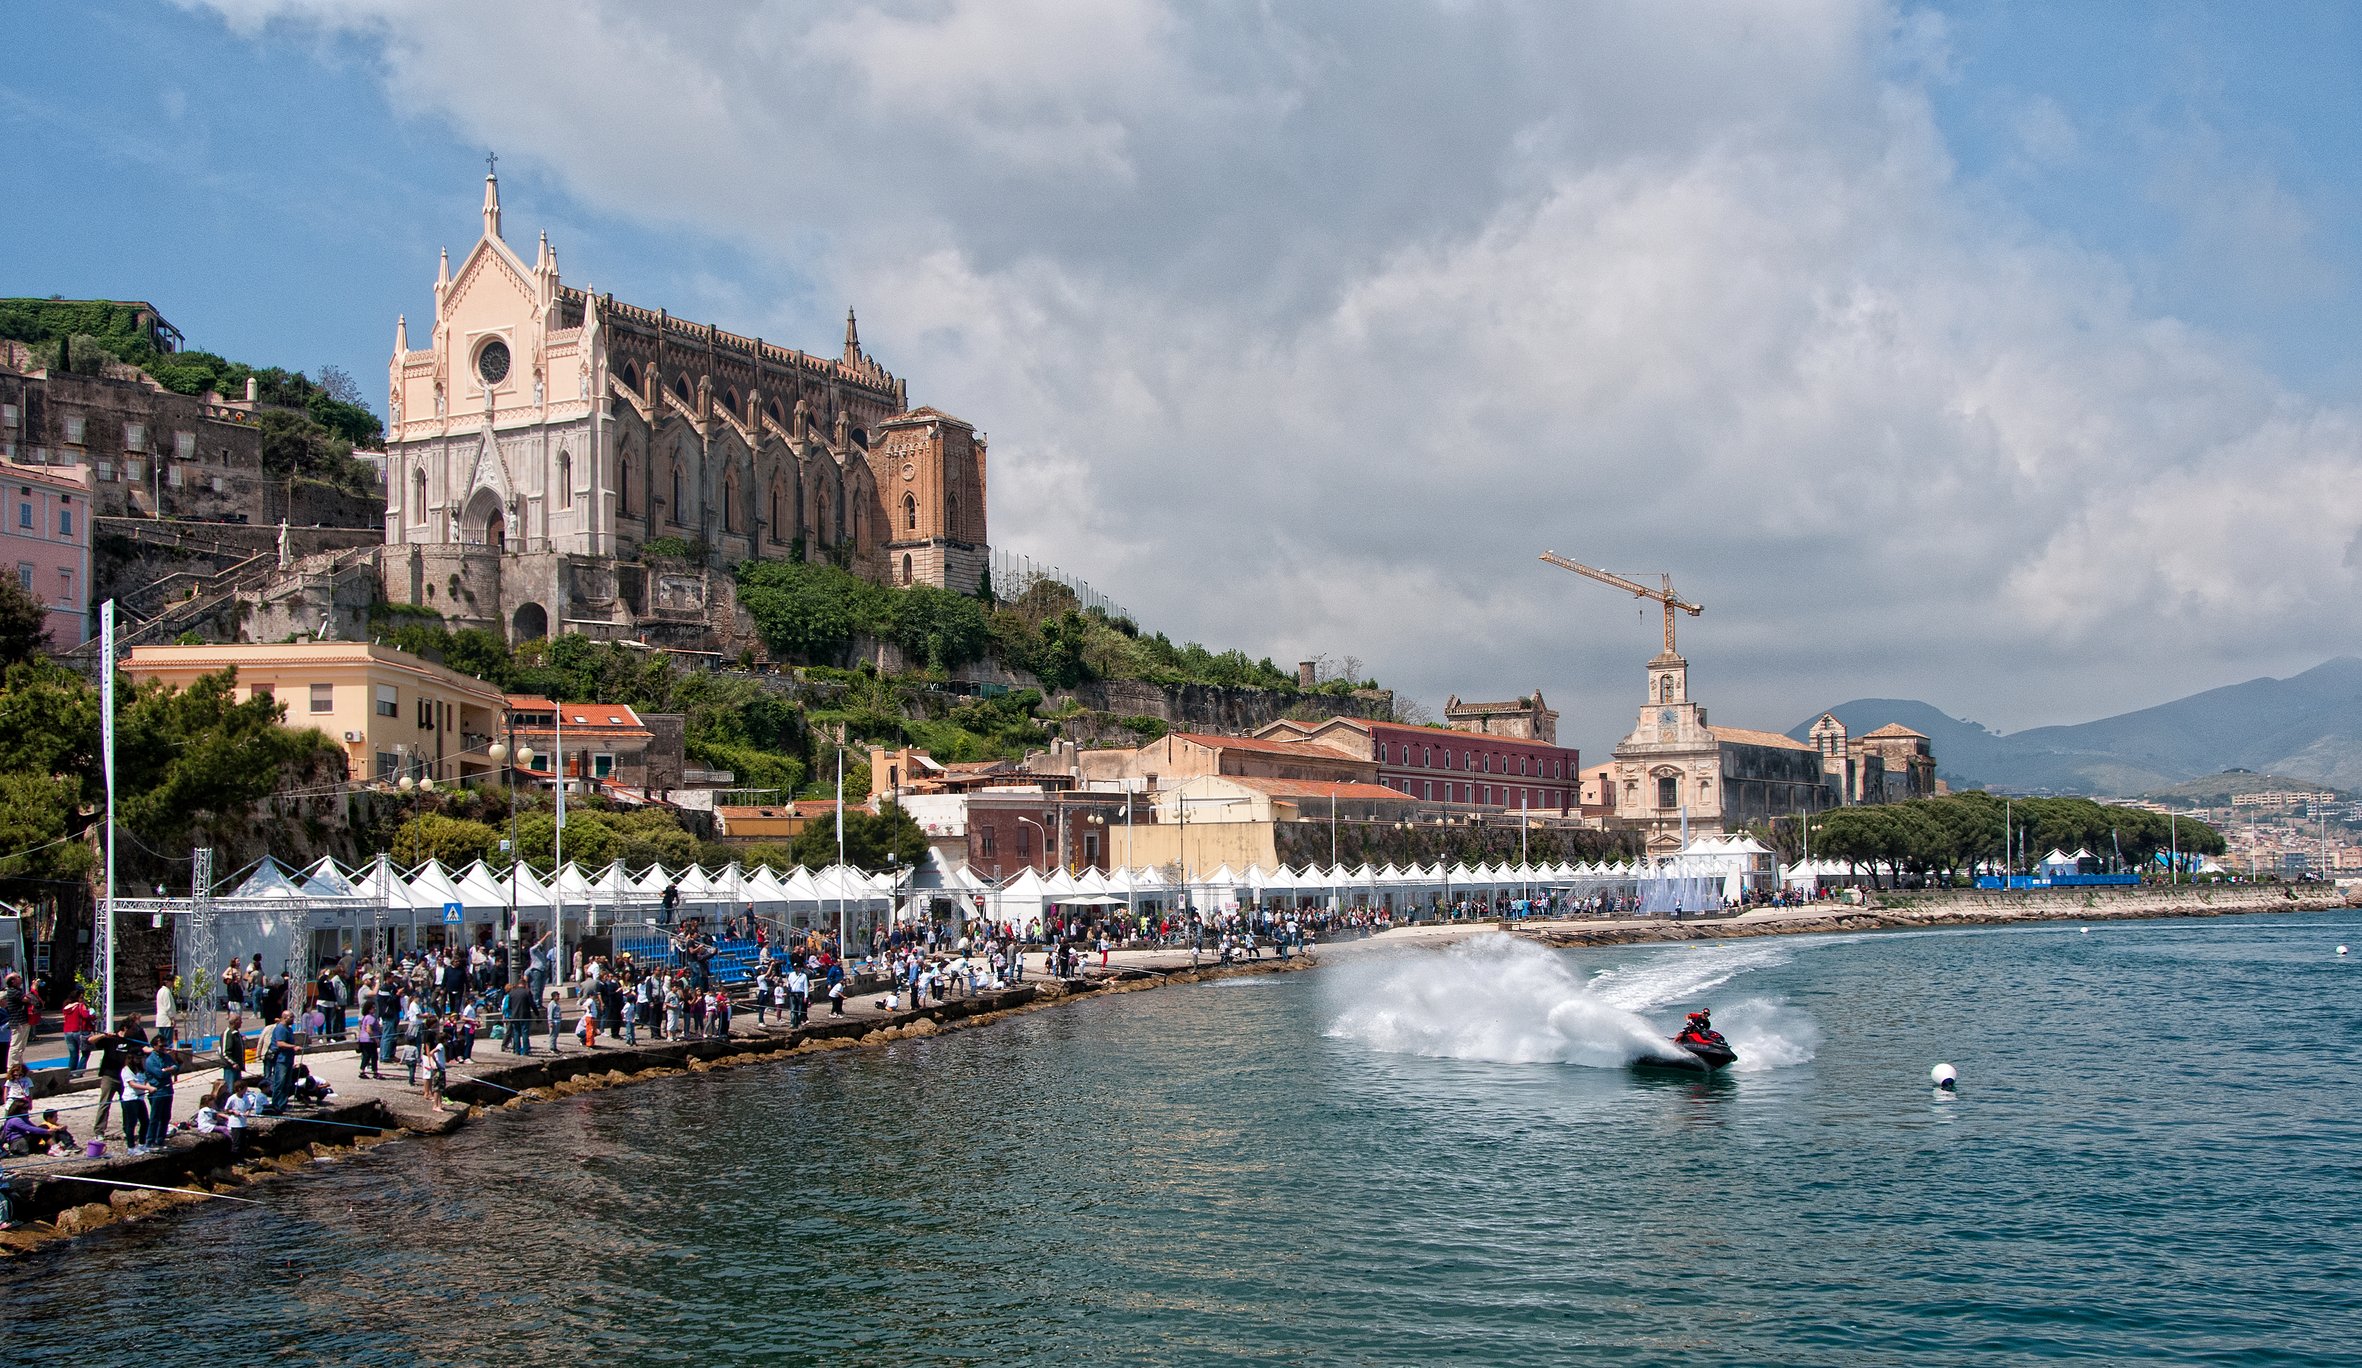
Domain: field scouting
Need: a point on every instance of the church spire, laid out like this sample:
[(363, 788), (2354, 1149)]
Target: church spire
[(852, 339), (401, 334), (491, 196)]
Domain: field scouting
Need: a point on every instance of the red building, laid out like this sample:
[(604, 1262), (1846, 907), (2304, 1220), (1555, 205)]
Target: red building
[(1440, 765)]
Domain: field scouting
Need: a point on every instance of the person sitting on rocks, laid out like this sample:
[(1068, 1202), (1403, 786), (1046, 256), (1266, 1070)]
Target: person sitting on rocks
[(21, 1135)]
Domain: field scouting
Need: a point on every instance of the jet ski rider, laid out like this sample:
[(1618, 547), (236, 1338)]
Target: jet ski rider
[(1699, 1026)]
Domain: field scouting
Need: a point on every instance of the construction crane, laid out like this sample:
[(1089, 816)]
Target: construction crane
[(1664, 596)]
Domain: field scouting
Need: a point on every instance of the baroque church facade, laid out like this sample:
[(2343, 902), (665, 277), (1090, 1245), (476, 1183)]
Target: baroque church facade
[(558, 460)]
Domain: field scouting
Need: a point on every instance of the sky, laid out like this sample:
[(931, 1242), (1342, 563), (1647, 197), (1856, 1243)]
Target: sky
[(1998, 355)]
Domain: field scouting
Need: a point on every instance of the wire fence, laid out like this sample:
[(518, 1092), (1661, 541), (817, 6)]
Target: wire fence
[(1013, 574)]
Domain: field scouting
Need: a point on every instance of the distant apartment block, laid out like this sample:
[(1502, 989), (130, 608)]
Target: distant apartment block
[(46, 527)]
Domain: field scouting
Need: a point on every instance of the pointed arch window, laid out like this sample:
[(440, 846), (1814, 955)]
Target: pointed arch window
[(418, 495), (565, 477), (777, 503), (623, 486), (910, 513), (730, 502), (906, 569)]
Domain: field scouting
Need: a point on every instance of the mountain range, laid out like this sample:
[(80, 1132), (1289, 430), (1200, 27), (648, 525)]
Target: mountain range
[(2308, 726)]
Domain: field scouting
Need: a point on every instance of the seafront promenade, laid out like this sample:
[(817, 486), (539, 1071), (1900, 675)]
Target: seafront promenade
[(56, 1196)]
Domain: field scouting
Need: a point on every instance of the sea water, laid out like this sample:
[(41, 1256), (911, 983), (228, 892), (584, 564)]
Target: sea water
[(1422, 1157)]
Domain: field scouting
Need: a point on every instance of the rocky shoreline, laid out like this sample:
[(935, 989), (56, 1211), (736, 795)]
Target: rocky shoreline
[(69, 1198)]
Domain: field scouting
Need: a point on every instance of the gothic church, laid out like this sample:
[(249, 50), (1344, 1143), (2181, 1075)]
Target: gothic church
[(560, 461)]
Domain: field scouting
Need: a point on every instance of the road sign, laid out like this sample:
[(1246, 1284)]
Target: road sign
[(453, 913)]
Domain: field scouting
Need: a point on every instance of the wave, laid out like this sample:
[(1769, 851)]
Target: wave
[(1499, 999)]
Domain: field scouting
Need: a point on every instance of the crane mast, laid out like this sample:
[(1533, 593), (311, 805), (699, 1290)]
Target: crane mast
[(1663, 596)]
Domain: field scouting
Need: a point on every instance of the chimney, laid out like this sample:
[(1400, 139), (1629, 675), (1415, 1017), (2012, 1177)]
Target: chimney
[(250, 390), (1307, 673)]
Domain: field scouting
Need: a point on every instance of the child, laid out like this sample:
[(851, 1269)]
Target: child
[(434, 1075), (211, 1119), (239, 1112), (631, 1019), (409, 1054)]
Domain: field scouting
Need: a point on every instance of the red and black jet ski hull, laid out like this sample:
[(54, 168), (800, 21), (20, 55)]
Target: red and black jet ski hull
[(1690, 1056)]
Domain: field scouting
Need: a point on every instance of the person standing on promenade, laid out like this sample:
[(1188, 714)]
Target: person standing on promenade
[(557, 1019), (134, 1101), (13, 1009), (365, 1042), (77, 1019), (164, 1005), (279, 1061), (115, 1049), (516, 1019), (437, 1061), (158, 1074), (233, 1053), (799, 995)]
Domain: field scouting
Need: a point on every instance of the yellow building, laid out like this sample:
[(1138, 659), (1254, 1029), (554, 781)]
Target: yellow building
[(394, 713)]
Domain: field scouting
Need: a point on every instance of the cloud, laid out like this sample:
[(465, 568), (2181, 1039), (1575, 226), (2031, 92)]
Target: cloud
[(1305, 328)]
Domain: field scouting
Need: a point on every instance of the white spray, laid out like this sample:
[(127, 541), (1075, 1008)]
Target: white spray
[(1509, 1001)]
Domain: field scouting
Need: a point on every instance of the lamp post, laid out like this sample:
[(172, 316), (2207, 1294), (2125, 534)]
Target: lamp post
[(1045, 831)]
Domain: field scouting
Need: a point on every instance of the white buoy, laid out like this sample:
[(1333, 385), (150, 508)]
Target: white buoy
[(1946, 1077), (2341, 949), (2086, 930)]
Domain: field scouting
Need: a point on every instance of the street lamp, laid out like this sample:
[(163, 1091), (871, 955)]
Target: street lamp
[(1045, 831)]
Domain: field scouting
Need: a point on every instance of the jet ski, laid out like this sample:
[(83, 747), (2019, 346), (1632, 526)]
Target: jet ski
[(1691, 1053)]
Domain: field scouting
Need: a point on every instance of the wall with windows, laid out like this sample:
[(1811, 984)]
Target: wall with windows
[(393, 713), (45, 525)]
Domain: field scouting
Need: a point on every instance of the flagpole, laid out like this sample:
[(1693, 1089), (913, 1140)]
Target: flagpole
[(557, 898), (842, 944), (106, 704)]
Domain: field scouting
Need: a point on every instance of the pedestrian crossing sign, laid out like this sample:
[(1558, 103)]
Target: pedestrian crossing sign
[(452, 914)]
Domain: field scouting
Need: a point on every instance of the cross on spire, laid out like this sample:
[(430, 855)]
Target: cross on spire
[(491, 163)]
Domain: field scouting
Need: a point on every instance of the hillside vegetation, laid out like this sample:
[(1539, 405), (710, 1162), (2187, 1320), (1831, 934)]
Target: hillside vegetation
[(781, 733)]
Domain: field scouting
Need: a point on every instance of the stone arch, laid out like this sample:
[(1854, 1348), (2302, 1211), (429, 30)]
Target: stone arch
[(531, 623), (485, 523), (631, 376), (681, 388)]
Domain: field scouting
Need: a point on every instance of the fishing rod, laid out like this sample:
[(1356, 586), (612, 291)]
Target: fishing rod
[(147, 1187)]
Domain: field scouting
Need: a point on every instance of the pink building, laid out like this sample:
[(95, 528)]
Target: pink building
[(45, 535)]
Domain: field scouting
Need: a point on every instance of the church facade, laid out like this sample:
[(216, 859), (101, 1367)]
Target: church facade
[(1677, 775), (558, 460)]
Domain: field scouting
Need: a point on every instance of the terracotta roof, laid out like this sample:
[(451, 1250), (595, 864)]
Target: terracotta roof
[(1895, 729), (1741, 736), (1461, 733), (1315, 788), (1294, 749)]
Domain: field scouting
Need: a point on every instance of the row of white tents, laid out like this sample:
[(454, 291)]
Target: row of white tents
[(292, 915)]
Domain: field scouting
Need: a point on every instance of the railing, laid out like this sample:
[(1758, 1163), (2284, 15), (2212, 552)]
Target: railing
[(1013, 574), (733, 960)]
